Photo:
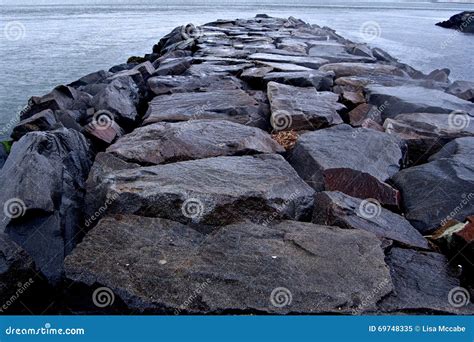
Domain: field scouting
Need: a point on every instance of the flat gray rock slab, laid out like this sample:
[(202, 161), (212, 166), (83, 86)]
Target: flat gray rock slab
[(234, 105), (334, 208), (332, 159), (413, 99), (362, 69), (162, 85), (297, 108), (213, 191), (156, 266), (317, 79), (335, 53), (423, 283), (309, 62), (440, 190), (196, 139)]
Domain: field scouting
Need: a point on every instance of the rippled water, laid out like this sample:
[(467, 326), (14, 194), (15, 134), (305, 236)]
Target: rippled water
[(43, 46)]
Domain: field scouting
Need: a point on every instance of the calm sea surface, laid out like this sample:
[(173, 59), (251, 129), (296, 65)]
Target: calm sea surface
[(43, 46)]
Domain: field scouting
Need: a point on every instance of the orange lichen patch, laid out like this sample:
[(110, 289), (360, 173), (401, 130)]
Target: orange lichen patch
[(287, 139)]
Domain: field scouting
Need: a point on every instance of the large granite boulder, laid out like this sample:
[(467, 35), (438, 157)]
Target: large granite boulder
[(297, 108), (196, 139), (43, 121), (42, 186), (424, 283), (415, 99), (332, 159), (160, 266), (333, 208), (426, 133), (212, 191), (120, 97), (233, 105), (439, 190), (61, 98)]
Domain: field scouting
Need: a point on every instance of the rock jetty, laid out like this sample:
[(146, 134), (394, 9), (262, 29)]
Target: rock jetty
[(248, 166)]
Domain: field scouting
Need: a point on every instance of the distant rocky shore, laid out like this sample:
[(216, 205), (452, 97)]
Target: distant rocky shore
[(260, 166), (462, 22)]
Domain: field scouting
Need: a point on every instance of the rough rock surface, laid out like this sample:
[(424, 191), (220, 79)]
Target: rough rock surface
[(358, 69), (438, 191), (414, 274), (213, 191), (16, 269), (297, 108), (233, 105), (415, 99), (462, 89), (426, 133), (156, 264), (42, 186), (337, 209), (171, 142), (332, 159)]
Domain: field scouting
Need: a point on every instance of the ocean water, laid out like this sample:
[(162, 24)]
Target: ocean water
[(42, 46)]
